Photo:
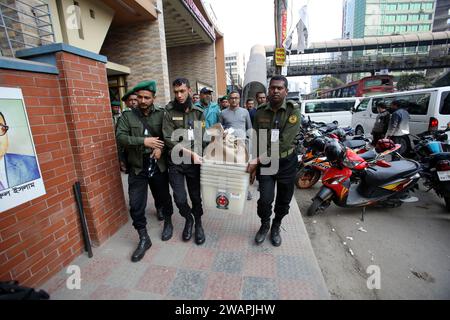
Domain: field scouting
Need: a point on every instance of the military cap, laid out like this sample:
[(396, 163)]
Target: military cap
[(146, 85), (115, 103), (127, 95)]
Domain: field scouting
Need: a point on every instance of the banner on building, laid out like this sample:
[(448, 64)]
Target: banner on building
[(280, 57), (302, 30), (20, 174)]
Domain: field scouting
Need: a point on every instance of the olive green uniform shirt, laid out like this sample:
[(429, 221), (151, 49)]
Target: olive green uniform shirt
[(286, 119), (174, 119), (130, 135)]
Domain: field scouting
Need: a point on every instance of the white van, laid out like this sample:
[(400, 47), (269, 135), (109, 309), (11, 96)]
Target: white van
[(429, 110), (329, 110)]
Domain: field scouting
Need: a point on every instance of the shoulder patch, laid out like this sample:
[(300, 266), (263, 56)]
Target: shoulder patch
[(293, 119)]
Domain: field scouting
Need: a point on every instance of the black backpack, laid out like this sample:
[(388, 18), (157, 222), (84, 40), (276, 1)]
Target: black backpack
[(11, 290)]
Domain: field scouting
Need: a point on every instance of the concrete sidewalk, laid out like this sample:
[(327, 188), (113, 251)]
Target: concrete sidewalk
[(228, 266)]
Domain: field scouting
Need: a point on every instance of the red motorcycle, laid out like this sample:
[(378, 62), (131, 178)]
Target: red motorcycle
[(383, 183)]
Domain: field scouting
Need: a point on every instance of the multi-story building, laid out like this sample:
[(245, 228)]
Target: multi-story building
[(372, 18), (348, 19), (442, 16), (142, 39), (235, 67)]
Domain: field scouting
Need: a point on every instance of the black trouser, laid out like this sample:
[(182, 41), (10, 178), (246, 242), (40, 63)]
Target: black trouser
[(284, 180), (377, 136), (177, 176), (138, 190)]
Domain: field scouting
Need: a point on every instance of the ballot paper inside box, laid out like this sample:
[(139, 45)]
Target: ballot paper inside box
[(225, 147), (224, 180)]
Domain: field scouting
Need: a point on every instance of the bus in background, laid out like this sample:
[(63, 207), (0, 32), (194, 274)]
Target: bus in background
[(364, 87)]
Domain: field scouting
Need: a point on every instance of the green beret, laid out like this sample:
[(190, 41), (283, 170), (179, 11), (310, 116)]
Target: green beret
[(127, 95), (223, 98), (146, 85), (115, 103)]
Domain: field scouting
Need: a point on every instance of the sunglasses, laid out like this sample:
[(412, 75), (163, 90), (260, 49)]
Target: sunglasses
[(3, 129)]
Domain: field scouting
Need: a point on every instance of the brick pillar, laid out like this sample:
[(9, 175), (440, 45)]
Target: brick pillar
[(84, 89)]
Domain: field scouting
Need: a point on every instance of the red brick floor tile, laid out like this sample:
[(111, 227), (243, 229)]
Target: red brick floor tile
[(260, 265), (105, 292), (233, 242), (156, 279), (199, 258), (223, 286)]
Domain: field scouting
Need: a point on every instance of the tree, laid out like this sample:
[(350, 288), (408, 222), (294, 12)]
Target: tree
[(329, 82), (412, 81)]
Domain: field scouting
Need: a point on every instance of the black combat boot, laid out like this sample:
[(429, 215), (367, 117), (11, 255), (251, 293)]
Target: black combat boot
[(159, 214), (187, 231), (144, 244), (167, 230), (199, 233), (262, 232), (275, 237)]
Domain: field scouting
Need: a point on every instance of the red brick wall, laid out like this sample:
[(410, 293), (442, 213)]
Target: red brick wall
[(84, 88), (70, 119)]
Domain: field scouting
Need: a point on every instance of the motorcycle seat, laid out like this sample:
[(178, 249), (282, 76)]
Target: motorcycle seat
[(440, 156), (354, 144), (369, 155), (398, 169)]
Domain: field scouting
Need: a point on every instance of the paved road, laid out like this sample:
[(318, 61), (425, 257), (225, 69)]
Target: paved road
[(410, 244)]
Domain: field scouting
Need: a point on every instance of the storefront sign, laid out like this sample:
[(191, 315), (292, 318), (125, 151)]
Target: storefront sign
[(190, 5), (280, 57)]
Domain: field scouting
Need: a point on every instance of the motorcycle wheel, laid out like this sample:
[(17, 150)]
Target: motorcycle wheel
[(306, 178), (314, 208), (447, 203)]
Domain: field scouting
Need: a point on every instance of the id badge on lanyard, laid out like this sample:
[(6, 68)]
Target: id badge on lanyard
[(190, 131), (275, 133)]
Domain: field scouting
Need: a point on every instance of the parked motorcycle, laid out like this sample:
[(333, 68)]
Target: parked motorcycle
[(429, 151), (382, 183), (313, 164)]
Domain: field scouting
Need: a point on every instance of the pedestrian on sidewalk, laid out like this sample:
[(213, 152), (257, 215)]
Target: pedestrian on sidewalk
[(140, 132), (398, 130), (281, 120), (182, 114), (250, 106), (131, 102), (260, 98), (381, 123), (195, 98), (239, 119), (224, 103), (211, 110)]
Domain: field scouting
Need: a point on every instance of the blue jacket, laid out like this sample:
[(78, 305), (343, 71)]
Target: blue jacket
[(20, 169), (211, 113)]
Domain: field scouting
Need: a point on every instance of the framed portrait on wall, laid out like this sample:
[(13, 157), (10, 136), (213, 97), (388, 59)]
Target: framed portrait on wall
[(20, 173)]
